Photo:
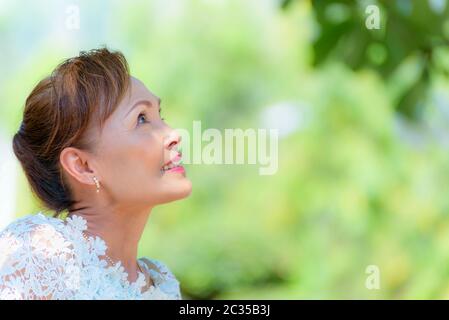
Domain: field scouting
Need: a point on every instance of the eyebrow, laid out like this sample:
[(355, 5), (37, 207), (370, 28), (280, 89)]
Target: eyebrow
[(145, 102)]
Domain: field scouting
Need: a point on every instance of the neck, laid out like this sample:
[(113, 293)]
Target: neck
[(121, 229)]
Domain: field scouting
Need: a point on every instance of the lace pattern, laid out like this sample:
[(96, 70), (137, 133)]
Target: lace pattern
[(47, 258)]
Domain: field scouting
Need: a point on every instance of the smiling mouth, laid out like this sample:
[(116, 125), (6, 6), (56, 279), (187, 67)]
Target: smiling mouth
[(173, 165), (170, 166)]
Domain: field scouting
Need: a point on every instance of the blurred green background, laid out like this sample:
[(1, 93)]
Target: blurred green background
[(363, 119)]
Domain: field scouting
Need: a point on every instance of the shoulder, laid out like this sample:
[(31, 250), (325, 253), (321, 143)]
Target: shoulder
[(30, 223), (31, 249), (163, 277), (31, 232)]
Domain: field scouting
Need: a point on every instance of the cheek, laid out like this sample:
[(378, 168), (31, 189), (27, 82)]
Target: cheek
[(131, 161)]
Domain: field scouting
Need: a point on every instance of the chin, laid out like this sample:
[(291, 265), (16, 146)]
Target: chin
[(185, 190), (178, 192)]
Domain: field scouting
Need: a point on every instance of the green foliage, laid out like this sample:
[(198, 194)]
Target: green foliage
[(408, 29)]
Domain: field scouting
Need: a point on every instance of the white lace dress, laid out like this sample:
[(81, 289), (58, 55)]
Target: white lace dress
[(44, 257)]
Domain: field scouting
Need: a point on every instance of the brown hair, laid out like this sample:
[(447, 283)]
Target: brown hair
[(81, 90)]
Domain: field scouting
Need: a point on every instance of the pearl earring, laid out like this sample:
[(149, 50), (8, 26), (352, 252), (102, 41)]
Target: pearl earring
[(97, 184)]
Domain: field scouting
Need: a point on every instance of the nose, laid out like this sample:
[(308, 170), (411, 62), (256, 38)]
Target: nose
[(172, 141)]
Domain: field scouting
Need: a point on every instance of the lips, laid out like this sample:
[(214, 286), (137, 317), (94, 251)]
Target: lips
[(173, 163), (179, 169)]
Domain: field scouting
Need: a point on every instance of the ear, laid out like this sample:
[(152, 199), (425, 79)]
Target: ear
[(77, 164)]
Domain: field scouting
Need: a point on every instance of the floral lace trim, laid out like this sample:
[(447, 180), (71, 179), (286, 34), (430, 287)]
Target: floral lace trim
[(96, 246)]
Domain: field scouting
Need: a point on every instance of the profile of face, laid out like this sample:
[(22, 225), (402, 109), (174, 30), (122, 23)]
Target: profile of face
[(133, 156)]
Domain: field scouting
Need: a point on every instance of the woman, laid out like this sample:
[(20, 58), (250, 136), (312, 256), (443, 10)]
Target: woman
[(94, 148)]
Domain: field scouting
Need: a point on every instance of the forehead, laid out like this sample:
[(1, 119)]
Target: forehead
[(138, 91)]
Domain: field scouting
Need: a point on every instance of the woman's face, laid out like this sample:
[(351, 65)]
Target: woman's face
[(132, 150)]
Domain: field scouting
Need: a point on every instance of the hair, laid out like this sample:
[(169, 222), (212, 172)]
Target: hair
[(81, 90)]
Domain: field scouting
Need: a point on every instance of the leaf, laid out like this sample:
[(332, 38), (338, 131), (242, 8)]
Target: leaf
[(328, 40), (411, 103)]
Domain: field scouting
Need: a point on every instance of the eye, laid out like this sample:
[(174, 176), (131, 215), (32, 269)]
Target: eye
[(141, 116)]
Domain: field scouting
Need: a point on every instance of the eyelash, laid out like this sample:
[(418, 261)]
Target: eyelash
[(143, 114)]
